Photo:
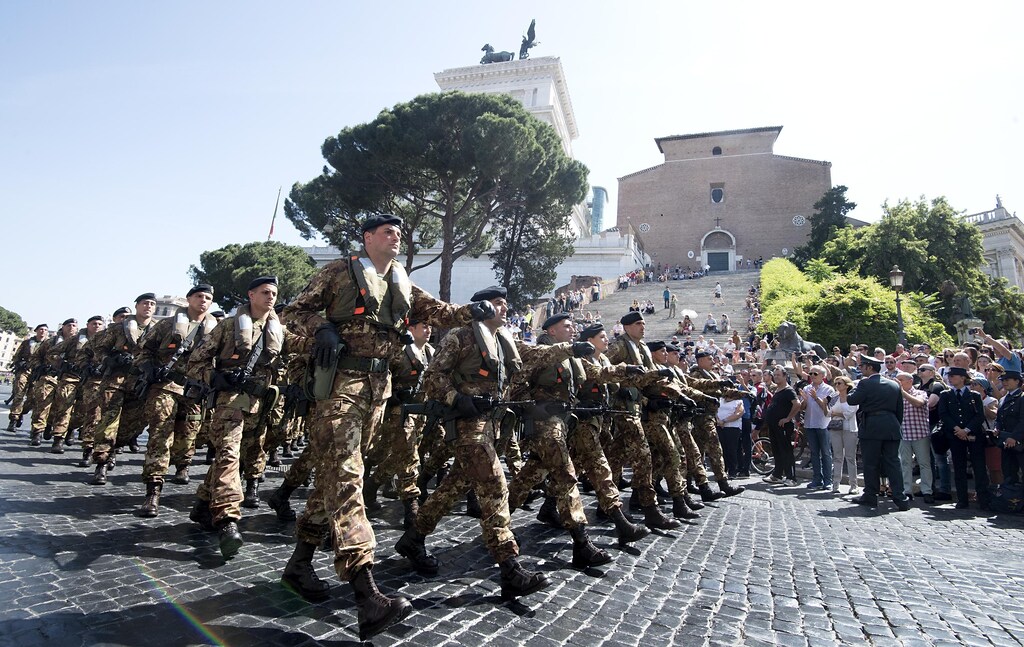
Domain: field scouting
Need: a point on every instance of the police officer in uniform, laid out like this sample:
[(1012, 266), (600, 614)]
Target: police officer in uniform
[(881, 405), (1010, 425), (962, 415)]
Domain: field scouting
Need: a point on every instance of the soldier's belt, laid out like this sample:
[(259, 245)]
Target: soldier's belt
[(363, 364)]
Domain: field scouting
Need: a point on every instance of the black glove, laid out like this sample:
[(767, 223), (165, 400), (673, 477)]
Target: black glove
[(465, 406), (583, 349), (161, 373), (325, 348), (687, 402), (633, 369), (624, 393), (482, 310), (666, 372), (233, 377), (123, 359), (407, 338)]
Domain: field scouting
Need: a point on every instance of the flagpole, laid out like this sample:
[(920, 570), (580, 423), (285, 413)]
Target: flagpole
[(274, 217)]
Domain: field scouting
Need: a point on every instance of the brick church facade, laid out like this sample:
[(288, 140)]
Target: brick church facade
[(722, 198)]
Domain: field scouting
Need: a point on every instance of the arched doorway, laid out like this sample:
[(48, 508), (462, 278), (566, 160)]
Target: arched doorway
[(718, 249)]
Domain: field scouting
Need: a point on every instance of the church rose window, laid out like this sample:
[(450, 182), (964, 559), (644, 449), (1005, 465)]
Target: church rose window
[(717, 194)]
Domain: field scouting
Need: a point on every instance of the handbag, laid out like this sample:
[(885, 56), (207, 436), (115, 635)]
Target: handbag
[(835, 424)]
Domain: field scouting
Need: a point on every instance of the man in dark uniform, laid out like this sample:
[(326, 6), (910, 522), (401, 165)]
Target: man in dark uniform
[(881, 405), (962, 416), (1010, 424)]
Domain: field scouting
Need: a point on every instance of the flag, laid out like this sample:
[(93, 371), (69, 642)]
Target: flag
[(274, 217)]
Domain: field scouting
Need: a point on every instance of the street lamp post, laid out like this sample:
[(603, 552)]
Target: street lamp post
[(896, 281)]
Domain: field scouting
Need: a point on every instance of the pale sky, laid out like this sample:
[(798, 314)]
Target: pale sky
[(135, 135)]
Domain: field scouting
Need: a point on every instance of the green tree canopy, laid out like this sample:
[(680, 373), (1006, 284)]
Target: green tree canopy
[(455, 166), (12, 322), (828, 218), (230, 269)]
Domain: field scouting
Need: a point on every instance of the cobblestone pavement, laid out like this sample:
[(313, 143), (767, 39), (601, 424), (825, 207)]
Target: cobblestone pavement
[(763, 568)]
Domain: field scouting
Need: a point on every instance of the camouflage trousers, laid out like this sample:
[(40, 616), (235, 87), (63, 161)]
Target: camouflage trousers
[(549, 457), (121, 420), (63, 405), (43, 394), (235, 416), (174, 421), (203, 435), (341, 429), (476, 467), (89, 410), (507, 445), (301, 468), (394, 453), (629, 446), (665, 456), (705, 433), (434, 449), (691, 464), (585, 450), (258, 440), (19, 394)]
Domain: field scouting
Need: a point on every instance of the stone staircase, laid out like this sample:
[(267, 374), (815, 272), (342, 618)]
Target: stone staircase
[(692, 294)]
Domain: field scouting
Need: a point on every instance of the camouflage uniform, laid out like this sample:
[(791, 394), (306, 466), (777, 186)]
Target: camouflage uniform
[(394, 450), (476, 461), (48, 358), (669, 457), (551, 375), (629, 445), (173, 418), (115, 352), (368, 320), (22, 372), (68, 388), (705, 431)]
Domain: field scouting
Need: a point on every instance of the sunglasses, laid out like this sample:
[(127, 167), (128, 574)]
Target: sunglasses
[(924, 370)]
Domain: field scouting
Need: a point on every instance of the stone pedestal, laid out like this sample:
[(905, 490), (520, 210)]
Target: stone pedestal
[(964, 326)]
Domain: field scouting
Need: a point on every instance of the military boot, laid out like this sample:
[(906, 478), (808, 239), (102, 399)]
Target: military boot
[(584, 553), (230, 539), (286, 451), (48, 433), (634, 502), (10, 425), (421, 483), (377, 612), (252, 494), (151, 506), (729, 490), (69, 440), (661, 492), (278, 502), (692, 503), (655, 518), (370, 487), (35, 441), (133, 444), (210, 454), (585, 485), (86, 454), (626, 530), (707, 494), (412, 508), (548, 513), (21, 419), (200, 513), (181, 475), (412, 545), (516, 581), (681, 511), (300, 575), (272, 458), (58, 445), (691, 487), (473, 505), (100, 477)]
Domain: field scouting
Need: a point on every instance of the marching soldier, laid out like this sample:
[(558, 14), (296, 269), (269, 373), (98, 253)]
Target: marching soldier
[(173, 417), (237, 362), (691, 461), (630, 444), (116, 352), (68, 388), (92, 390), (394, 451), (22, 373), (553, 385), (360, 301), (48, 362), (471, 371), (705, 433)]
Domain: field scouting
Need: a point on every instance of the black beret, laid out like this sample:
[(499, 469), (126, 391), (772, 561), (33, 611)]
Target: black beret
[(553, 319), (145, 296), (956, 370), (263, 280), (1010, 375), (218, 314), (123, 310), (673, 348), (493, 292), (94, 318), (202, 287), (592, 330), (655, 346), (40, 326), (72, 320), (373, 222), (631, 318), (876, 363), (701, 353)]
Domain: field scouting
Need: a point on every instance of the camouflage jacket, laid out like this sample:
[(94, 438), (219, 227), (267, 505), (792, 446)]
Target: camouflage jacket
[(534, 365), (162, 342), (25, 350), (707, 383)]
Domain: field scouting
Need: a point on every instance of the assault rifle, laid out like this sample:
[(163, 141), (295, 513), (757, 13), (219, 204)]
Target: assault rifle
[(150, 372), (296, 403), (599, 410)]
